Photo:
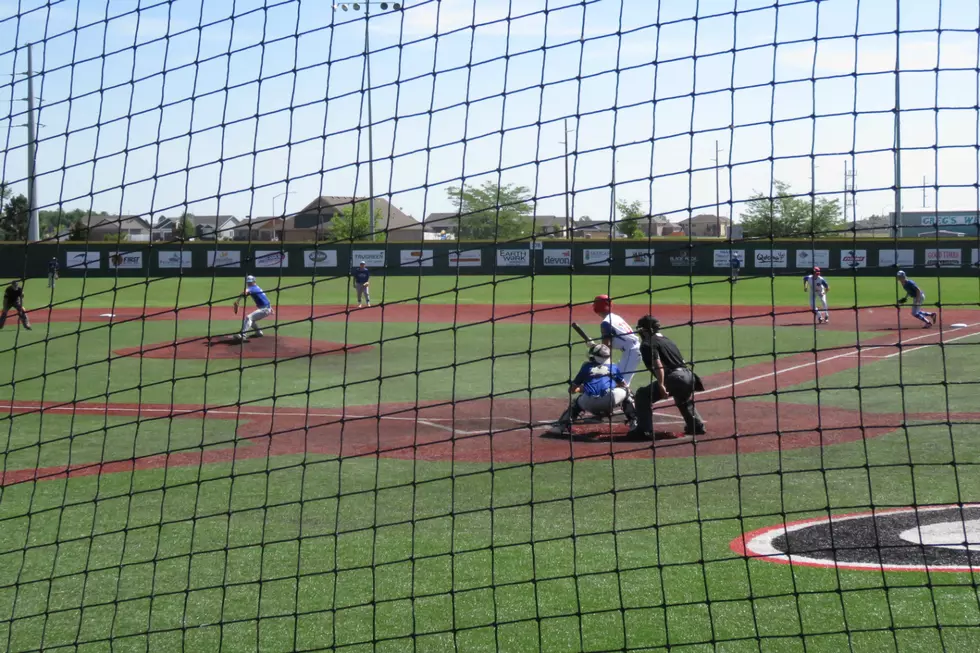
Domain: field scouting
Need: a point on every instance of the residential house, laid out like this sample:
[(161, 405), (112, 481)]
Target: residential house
[(705, 226), (653, 226), (312, 222), (259, 229), (133, 228), (552, 226), (204, 227)]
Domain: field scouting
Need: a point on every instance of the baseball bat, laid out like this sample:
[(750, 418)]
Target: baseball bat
[(582, 333)]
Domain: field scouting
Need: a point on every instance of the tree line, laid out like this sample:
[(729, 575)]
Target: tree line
[(487, 212)]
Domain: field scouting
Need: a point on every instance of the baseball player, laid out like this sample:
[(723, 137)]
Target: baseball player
[(736, 266), (918, 297), (13, 298), (52, 272), (618, 334), (673, 378), (601, 388), (362, 282), (817, 287), (263, 308)]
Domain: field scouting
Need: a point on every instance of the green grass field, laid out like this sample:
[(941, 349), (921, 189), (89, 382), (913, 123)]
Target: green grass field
[(313, 552), (782, 290)]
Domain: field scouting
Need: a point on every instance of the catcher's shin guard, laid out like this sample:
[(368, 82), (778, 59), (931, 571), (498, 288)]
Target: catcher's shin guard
[(571, 414), (629, 409)]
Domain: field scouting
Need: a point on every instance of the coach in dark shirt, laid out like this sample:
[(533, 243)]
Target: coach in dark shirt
[(673, 378)]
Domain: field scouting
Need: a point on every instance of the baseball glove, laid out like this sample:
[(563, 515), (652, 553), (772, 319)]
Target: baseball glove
[(903, 300), (235, 306)]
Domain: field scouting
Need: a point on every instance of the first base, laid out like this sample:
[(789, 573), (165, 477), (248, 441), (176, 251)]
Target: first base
[(958, 325), (107, 315)]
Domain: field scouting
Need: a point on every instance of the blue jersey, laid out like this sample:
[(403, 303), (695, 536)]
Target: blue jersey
[(911, 289), (596, 380), (736, 262), (361, 275), (53, 265), (258, 296)]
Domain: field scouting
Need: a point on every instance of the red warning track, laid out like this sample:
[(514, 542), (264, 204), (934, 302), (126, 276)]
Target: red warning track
[(863, 320), (510, 431)]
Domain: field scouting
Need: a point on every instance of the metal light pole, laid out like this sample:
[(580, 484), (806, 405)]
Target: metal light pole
[(33, 229), (717, 189), (356, 6), (568, 214)]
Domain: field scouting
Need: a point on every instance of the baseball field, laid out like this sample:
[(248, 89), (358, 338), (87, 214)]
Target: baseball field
[(381, 479)]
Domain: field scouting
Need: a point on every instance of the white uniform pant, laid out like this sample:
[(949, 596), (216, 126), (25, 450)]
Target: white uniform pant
[(821, 300), (604, 404), (253, 317), (363, 290), (51, 280), (629, 364)]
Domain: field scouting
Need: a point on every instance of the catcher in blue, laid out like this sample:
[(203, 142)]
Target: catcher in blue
[(818, 287), (601, 388), (918, 297), (263, 308)]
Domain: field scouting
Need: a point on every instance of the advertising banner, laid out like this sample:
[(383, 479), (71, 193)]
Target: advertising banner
[(558, 257), (85, 260), (126, 261), (419, 258), (595, 256), (944, 258), (892, 258), (770, 258), (639, 258), (813, 258), (469, 258), (171, 260), (854, 258), (511, 258), (373, 258), (723, 257), (225, 258), (319, 258)]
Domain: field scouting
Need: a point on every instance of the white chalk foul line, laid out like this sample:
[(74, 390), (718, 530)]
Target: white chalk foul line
[(835, 357)]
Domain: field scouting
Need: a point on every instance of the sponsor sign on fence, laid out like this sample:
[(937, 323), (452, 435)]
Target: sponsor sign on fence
[(944, 258), (553, 257), (85, 260), (813, 258), (683, 260), (770, 258), (319, 258), (126, 260), (891, 258), (595, 256), (854, 258), (373, 258), (639, 258), (171, 260), (975, 256), (513, 257), (469, 258), (225, 258), (723, 257), (416, 258), (271, 259)]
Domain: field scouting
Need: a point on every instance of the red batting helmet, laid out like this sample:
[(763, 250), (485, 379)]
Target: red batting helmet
[(816, 270), (602, 304)]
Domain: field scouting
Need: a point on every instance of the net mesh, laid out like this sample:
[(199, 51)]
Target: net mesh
[(371, 445)]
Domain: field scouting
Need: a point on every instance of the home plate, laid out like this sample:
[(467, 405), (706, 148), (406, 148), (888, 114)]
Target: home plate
[(958, 325)]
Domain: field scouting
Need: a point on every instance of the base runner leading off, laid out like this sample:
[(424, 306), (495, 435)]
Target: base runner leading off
[(618, 334), (263, 308)]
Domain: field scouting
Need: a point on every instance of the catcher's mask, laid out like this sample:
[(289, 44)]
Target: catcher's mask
[(599, 354)]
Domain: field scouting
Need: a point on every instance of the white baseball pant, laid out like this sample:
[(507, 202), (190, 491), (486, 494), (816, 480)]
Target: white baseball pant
[(363, 290), (604, 404), (823, 302), (629, 364), (253, 317)]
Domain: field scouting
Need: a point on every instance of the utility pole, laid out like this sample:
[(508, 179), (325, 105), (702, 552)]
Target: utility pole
[(717, 189), (845, 192), (923, 191), (568, 213), (33, 228), (367, 66)]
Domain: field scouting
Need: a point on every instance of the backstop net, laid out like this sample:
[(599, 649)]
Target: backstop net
[(304, 306)]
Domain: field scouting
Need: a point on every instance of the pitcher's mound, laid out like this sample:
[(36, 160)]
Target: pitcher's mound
[(228, 347)]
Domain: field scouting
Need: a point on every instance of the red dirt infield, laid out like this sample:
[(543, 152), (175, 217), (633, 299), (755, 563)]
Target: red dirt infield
[(228, 348), (862, 320), (737, 405)]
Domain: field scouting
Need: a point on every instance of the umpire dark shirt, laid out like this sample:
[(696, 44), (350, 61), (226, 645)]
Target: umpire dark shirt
[(13, 296), (663, 348)]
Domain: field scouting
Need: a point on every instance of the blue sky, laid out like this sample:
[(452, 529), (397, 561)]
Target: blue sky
[(214, 117)]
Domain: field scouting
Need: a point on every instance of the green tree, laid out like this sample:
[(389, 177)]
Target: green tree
[(184, 226), (354, 222), (78, 231), (630, 214), (492, 212), (784, 216), (13, 219)]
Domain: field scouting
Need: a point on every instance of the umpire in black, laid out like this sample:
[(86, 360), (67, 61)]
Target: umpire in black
[(662, 357)]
